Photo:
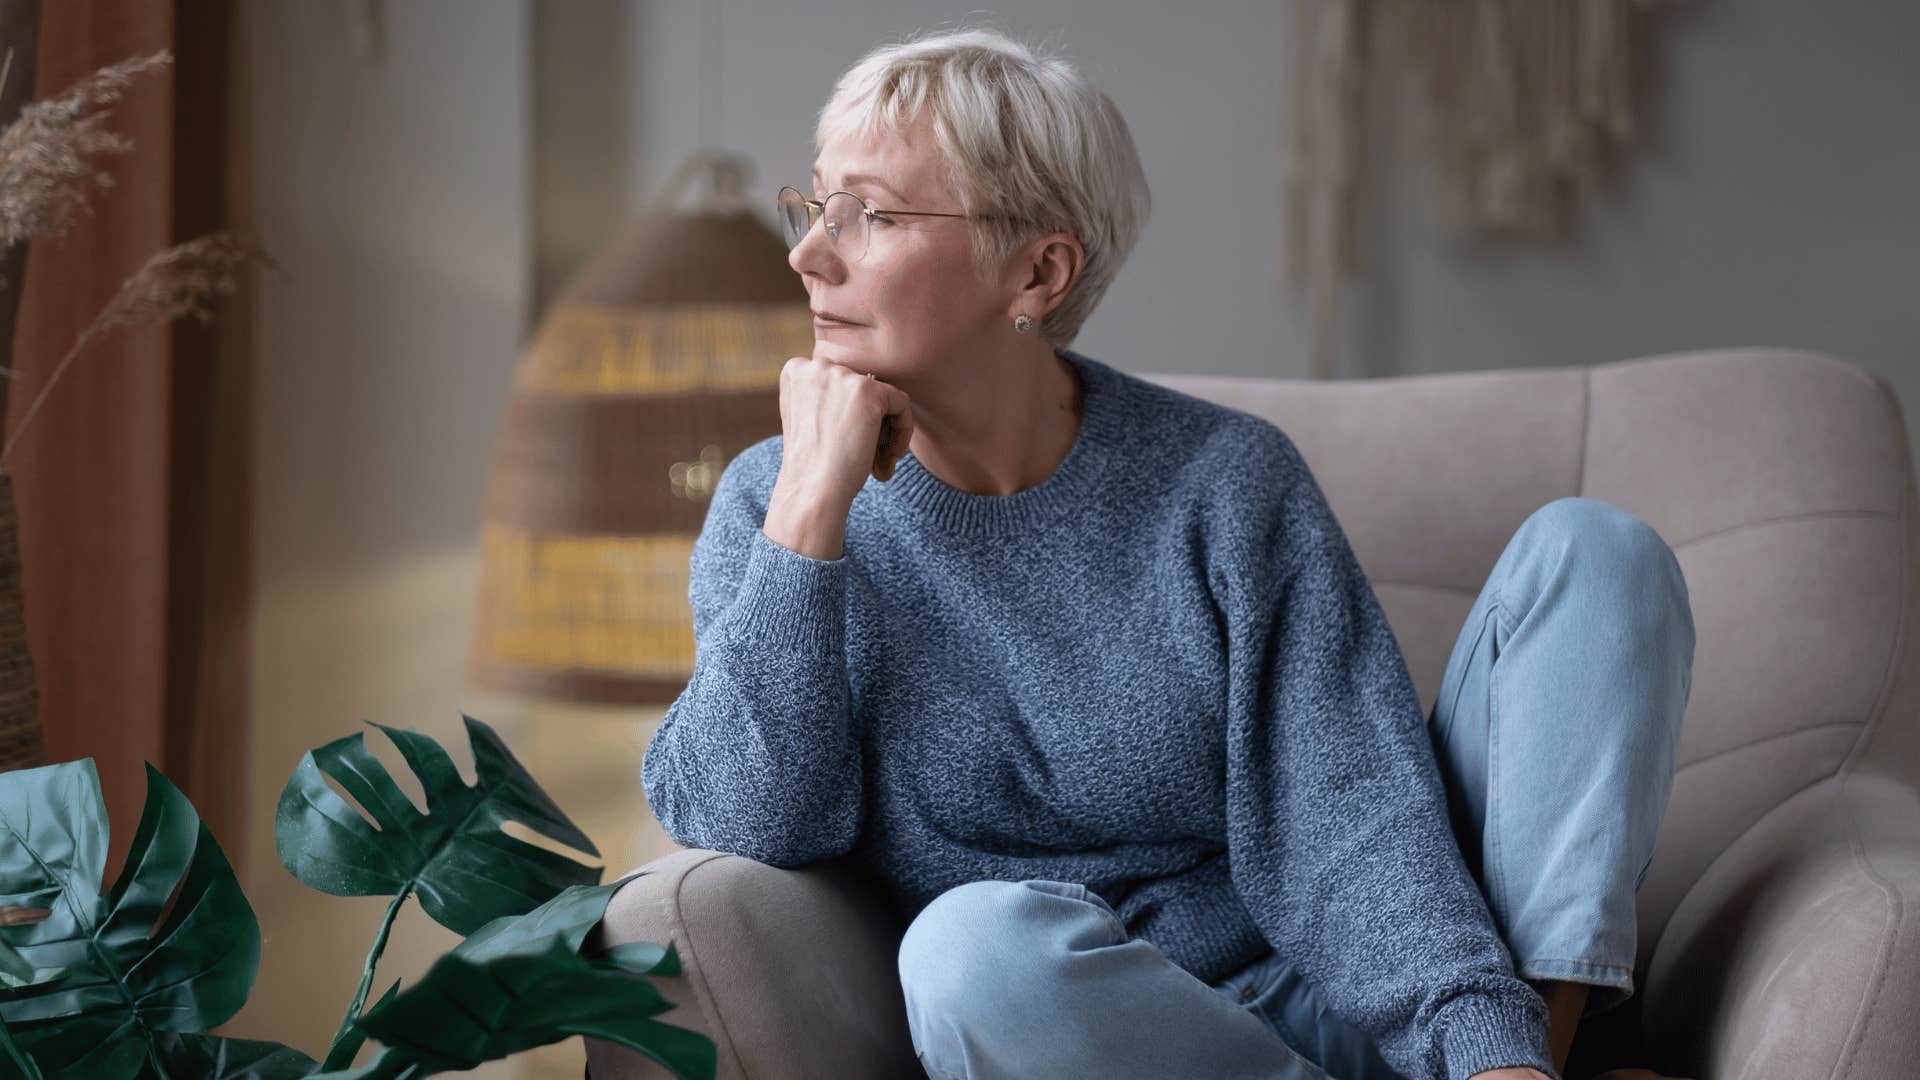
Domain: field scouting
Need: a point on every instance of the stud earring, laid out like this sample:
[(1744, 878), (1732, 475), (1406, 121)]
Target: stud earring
[(1022, 324)]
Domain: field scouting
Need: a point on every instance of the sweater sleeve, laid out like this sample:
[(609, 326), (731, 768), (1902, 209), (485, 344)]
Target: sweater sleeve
[(1337, 829), (757, 756)]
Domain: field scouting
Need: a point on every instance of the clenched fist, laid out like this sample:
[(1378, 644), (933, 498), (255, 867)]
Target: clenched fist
[(838, 426)]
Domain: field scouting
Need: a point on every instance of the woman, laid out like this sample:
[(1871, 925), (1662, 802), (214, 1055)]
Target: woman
[(1085, 672)]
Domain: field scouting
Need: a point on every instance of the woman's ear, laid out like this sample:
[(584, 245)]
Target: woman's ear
[(1053, 265)]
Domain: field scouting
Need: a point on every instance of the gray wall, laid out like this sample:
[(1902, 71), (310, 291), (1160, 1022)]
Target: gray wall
[(1203, 97), (395, 195), (1772, 203)]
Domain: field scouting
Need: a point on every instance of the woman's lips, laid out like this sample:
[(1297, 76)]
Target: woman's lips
[(820, 323)]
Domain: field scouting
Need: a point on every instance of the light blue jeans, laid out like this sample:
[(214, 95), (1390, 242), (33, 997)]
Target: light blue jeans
[(1555, 729)]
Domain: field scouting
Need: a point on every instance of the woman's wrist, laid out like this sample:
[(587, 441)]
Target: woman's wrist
[(813, 527)]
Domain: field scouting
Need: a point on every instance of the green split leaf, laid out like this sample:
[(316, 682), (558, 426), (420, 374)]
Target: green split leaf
[(126, 984), (209, 1057), (455, 857), (170, 950), (521, 982), (16, 1059), (16, 972)]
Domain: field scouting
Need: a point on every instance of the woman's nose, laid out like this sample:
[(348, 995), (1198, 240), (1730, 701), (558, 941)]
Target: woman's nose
[(815, 253)]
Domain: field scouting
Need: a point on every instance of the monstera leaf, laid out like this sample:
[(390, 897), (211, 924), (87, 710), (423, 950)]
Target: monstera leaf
[(15, 971), (126, 984), (122, 982), (455, 857), (16, 1059), (521, 982), (205, 1057)]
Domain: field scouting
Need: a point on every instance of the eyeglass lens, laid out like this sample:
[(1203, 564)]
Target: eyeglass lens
[(845, 222)]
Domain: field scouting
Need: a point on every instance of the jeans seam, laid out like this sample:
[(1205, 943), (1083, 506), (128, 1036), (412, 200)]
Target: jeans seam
[(1254, 987), (1496, 885), (932, 1070), (1088, 896), (1609, 976), (1595, 966), (1261, 1003), (1453, 707), (1287, 1034)]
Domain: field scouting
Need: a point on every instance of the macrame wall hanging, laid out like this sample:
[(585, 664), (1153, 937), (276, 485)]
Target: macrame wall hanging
[(1522, 105)]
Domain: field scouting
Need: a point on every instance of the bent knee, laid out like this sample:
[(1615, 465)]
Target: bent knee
[(993, 933), (1604, 536), (1595, 526)]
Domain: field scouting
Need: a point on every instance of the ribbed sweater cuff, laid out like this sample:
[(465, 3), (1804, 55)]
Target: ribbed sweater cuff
[(786, 598), (1481, 1032)]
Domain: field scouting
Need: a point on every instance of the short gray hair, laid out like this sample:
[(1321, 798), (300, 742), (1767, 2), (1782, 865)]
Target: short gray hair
[(1024, 136)]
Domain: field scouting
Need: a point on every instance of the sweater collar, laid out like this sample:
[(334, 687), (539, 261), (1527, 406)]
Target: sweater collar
[(922, 493)]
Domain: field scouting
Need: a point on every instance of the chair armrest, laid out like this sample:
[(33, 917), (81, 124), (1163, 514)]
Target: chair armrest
[(791, 972), (1797, 953)]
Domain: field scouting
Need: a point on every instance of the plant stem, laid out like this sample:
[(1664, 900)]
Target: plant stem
[(40, 398), (366, 973)]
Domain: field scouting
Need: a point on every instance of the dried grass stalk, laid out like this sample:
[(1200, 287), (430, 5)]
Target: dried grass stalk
[(178, 281), (46, 166)]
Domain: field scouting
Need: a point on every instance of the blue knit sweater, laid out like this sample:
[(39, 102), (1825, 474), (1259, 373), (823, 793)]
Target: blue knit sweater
[(1160, 673)]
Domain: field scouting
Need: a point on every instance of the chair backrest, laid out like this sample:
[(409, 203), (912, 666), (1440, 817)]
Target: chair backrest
[(1781, 479)]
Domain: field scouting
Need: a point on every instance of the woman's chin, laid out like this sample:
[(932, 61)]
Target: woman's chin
[(839, 352)]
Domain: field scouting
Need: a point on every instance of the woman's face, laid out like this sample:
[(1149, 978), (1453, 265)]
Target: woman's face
[(914, 299)]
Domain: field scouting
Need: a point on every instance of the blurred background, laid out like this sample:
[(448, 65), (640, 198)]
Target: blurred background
[(429, 175)]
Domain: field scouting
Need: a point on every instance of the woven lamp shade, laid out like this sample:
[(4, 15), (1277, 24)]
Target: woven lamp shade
[(657, 364)]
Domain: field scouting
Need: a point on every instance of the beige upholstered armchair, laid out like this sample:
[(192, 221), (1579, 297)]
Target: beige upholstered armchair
[(1780, 923)]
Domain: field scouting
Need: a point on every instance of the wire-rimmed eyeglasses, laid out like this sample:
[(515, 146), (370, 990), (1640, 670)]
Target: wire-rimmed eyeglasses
[(848, 218)]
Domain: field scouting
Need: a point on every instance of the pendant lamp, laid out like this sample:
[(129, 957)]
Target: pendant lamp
[(657, 363)]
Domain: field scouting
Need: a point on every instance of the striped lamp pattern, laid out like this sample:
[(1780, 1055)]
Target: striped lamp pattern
[(656, 365)]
